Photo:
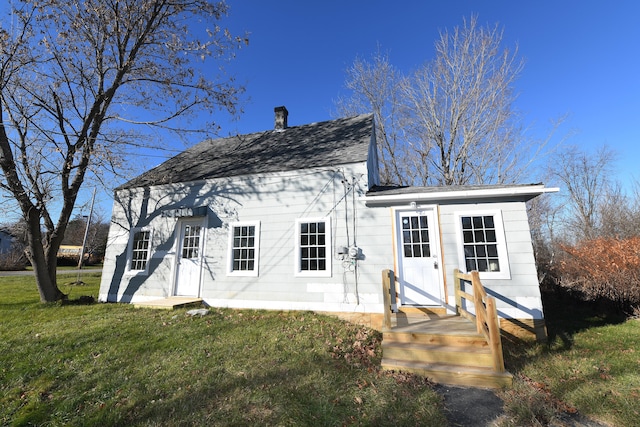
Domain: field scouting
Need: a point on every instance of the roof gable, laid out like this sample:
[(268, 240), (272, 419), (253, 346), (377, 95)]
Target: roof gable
[(314, 145)]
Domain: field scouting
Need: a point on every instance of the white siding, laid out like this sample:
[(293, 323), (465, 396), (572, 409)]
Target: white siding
[(518, 297), (277, 200)]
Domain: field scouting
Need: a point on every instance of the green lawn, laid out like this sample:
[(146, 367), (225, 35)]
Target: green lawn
[(111, 364), (591, 366)]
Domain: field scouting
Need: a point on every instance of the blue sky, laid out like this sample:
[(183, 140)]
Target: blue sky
[(582, 59)]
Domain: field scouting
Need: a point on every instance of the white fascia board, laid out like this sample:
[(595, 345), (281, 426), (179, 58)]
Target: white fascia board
[(481, 193)]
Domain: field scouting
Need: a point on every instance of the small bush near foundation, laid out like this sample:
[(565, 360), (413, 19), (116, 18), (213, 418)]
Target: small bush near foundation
[(605, 271)]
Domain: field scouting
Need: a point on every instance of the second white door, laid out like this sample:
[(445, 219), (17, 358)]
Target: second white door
[(418, 258)]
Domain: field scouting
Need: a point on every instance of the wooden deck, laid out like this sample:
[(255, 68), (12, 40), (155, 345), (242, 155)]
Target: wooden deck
[(452, 325), (458, 350), (169, 303), (446, 349)]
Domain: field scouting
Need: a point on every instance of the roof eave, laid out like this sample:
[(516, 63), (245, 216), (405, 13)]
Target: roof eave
[(524, 193)]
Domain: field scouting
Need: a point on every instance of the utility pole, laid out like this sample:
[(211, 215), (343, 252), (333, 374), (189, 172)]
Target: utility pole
[(86, 232)]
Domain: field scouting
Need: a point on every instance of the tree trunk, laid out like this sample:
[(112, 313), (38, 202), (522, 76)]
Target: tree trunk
[(45, 273), (44, 263)]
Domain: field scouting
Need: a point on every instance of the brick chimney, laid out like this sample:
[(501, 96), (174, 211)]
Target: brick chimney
[(281, 117)]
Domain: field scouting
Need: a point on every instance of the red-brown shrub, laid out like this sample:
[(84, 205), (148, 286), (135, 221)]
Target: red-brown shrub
[(603, 269)]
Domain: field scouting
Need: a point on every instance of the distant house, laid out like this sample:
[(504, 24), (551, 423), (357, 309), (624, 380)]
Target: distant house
[(71, 252), (6, 241), (70, 255), (294, 218)]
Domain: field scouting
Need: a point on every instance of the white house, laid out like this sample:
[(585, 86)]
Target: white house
[(295, 219)]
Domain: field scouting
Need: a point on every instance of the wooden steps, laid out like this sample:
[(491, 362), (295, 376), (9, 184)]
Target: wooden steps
[(453, 375), (447, 350), (169, 303), (434, 353)]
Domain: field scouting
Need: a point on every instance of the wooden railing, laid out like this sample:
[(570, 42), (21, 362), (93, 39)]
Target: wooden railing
[(486, 314), (388, 296)]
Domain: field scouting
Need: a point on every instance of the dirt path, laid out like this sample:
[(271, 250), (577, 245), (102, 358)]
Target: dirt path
[(466, 406), (475, 407)]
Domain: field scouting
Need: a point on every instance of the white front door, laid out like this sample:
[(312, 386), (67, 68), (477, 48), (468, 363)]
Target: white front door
[(418, 258), (189, 258)]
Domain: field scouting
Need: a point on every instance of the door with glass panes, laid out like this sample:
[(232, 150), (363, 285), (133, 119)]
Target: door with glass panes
[(189, 258), (419, 272)]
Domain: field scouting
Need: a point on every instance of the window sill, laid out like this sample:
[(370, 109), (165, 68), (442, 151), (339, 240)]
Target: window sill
[(313, 274), (242, 273)]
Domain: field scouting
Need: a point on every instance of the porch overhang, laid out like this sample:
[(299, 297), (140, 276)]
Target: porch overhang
[(397, 196)]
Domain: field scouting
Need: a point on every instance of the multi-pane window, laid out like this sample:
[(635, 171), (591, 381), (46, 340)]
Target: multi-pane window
[(243, 248), (244, 252), (191, 241), (140, 250), (415, 236), (480, 242), (313, 247)]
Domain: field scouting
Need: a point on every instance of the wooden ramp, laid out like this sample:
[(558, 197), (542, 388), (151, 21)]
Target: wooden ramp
[(169, 303), (447, 350)]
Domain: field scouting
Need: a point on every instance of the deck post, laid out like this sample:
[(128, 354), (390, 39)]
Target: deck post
[(387, 282), (457, 285), (494, 333), (477, 298)]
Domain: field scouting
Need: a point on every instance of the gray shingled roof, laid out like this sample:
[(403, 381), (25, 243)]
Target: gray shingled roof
[(321, 144)]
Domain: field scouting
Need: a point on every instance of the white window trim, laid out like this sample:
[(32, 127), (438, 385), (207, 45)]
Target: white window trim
[(503, 257), (132, 233), (296, 249), (250, 273)]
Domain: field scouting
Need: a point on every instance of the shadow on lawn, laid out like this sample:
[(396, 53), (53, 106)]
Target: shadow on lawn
[(566, 313), (81, 300)]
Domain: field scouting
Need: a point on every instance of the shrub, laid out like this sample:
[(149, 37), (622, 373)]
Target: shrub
[(603, 270), (13, 260)]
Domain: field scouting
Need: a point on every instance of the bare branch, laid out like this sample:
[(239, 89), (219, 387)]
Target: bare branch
[(450, 122), (75, 75)]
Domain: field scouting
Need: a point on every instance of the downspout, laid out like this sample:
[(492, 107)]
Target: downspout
[(355, 260)]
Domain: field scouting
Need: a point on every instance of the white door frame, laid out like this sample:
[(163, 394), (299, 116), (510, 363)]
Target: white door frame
[(179, 243), (438, 299)]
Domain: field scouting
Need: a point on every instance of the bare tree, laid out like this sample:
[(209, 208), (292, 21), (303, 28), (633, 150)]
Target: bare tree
[(74, 76), (375, 87), (590, 197), (461, 104), (617, 213), (452, 121)]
